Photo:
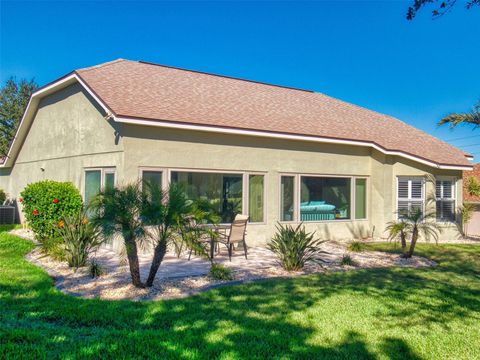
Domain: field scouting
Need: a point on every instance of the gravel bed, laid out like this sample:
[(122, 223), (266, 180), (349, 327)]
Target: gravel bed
[(115, 283)]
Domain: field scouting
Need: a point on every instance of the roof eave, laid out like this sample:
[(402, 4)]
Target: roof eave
[(286, 136)]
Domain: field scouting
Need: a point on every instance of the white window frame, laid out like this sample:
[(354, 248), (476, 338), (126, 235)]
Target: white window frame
[(161, 170), (367, 194), (167, 178), (409, 199), (103, 172), (297, 195), (441, 198), (246, 192)]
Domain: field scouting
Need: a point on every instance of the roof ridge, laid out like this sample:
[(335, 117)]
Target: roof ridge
[(102, 65), (224, 76)]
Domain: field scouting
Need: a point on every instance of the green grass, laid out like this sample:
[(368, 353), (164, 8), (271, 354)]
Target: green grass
[(392, 313), (8, 227)]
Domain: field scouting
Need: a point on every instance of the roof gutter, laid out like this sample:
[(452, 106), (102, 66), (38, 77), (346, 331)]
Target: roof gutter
[(318, 139)]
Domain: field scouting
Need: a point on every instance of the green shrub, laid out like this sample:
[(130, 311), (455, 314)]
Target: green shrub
[(355, 246), (46, 202), (95, 269), (347, 260), (220, 272), (53, 247), (80, 238), (3, 196), (294, 246)]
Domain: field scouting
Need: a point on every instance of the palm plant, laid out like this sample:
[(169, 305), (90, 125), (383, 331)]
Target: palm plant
[(469, 118), (171, 216), (415, 223), (399, 229), (116, 212), (294, 246)]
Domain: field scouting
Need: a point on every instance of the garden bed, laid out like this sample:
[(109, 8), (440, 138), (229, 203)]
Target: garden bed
[(179, 277)]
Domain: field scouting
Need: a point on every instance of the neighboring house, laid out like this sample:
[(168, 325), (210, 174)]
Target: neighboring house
[(276, 153), (473, 226)]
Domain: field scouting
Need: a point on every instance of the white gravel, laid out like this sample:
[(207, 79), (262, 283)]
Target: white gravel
[(181, 278)]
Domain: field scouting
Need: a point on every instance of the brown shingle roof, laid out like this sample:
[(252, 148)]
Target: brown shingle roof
[(148, 91)]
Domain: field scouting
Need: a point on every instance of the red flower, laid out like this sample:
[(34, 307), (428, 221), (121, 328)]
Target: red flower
[(35, 212), (56, 201), (21, 200)]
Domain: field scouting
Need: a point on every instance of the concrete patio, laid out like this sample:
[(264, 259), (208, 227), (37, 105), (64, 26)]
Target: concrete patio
[(173, 267)]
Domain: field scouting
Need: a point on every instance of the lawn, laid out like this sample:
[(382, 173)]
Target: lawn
[(393, 313)]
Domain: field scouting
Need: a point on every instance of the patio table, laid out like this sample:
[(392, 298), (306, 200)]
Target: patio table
[(218, 228)]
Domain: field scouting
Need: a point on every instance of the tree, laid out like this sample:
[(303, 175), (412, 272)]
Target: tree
[(443, 7), (414, 224), (14, 98), (170, 215), (469, 118), (117, 212), (399, 229), (473, 186)]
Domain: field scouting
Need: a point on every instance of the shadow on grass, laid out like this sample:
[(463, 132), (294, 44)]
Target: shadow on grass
[(271, 319)]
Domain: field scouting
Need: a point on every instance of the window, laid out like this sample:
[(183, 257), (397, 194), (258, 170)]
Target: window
[(256, 198), (360, 198), (224, 192), (152, 177), (324, 198), (287, 198), (445, 200), (96, 180), (410, 195)]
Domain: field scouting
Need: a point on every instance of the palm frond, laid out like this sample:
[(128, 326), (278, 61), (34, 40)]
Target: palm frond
[(469, 118)]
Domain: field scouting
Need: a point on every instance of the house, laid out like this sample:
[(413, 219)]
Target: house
[(473, 225), (276, 153)]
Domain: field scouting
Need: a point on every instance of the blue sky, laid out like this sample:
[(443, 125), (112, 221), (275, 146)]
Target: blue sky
[(362, 52)]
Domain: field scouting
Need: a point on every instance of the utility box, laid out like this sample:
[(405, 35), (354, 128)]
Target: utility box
[(7, 215)]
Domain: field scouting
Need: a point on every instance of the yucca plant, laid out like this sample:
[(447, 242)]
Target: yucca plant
[(80, 238), (294, 246)]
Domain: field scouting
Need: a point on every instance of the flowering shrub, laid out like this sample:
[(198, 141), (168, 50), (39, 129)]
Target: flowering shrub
[(46, 203)]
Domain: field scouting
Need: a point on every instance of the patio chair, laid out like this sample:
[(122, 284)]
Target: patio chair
[(238, 229)]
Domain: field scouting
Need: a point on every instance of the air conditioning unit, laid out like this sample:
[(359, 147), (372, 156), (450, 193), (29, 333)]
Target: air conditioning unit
[(7, 214)]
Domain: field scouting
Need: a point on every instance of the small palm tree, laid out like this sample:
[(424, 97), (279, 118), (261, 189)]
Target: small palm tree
[(399, 229), (470, 118), (116, 211), (170, 214), (415, 223)]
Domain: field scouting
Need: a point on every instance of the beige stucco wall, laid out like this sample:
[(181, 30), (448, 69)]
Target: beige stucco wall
[(170, 148), (69, 133)]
